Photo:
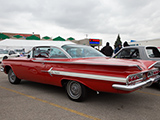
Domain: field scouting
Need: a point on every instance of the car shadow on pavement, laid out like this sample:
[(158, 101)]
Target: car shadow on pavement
[(154, 86), (42, 87), (51, 89), (92, 96)]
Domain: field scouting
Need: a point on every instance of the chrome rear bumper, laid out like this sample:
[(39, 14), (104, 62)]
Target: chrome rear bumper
[(136, 86)]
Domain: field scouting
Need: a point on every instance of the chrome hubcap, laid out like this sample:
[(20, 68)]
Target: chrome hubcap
[(12, 77), (74, 90)]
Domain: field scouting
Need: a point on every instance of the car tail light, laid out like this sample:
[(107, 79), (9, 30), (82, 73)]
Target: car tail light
[(156, 72), (133, 78), (153, 72), (130, 79), (136, 78)]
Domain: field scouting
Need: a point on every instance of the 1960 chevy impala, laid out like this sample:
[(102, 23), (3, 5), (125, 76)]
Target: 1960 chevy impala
[(79, 68)]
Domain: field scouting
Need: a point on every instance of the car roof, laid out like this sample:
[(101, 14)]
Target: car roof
[(71, 45), (138, 46)]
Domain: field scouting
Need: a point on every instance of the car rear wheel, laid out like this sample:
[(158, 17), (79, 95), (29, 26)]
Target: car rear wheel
[(76, 91), (13, 78)]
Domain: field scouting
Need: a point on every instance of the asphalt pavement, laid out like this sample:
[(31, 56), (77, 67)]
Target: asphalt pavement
[(34, 101)]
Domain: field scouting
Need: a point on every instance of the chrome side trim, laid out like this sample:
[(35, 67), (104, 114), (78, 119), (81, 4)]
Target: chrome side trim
[(49, 71), (139, 67), (89, 76), (153, 65)]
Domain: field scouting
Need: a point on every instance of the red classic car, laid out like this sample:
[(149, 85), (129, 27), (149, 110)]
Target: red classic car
[(79, 68)]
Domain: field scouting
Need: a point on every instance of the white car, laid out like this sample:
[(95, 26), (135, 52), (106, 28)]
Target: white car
[(4, 54)]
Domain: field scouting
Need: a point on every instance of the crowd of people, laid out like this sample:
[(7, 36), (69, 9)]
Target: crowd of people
[(108, 50)]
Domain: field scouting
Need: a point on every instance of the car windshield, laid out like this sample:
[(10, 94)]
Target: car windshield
[(3, 51), (81, 51), (153, 52)]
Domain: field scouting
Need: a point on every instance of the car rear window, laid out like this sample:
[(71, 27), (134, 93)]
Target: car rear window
[(152, 52)]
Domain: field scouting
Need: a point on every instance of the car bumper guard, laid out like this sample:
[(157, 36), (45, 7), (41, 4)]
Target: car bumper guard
[(138, 85)]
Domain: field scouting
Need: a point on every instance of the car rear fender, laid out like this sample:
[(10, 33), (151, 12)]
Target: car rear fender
[(64, 81), (7, 68)]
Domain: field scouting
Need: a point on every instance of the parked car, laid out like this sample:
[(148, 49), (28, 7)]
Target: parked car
[(139, 52), (4, 54), (79, 68), (20, 51)]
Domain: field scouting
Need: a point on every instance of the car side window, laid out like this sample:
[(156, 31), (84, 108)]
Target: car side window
[(129, 54), (135, 54), (41, 52), (57, 53)]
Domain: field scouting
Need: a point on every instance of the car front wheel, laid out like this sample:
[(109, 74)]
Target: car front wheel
[(76, 91), (13, 78)]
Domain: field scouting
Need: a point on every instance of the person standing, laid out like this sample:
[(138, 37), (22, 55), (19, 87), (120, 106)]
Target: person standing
[(118, 48), (107, 50), (125, 44)]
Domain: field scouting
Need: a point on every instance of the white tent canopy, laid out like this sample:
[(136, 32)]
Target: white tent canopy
[(28, 44)]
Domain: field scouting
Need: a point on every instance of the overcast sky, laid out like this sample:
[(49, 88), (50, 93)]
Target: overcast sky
[(103, 19)]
